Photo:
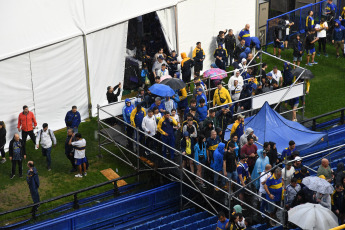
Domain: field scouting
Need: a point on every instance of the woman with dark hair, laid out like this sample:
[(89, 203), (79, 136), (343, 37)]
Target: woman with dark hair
[(273, 154), (2, 141), (200, 156)]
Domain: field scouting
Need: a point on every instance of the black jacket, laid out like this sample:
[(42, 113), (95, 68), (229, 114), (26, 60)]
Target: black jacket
[(272, 154), (245, 93), (69, 148), (338, 201), (111, 97), (255, 68), (230, 43), (297, 47), (22, 148), (238, 50), (2, 137), (223, 120), (186, 69)]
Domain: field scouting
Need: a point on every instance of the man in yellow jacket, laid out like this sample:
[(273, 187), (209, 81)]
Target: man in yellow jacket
[(221, 96)]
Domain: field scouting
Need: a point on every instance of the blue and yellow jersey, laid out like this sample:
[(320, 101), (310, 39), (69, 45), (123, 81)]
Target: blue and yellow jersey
[(275, 187), (242, 169), (288, 152), (309, 23), (330, 8), (212, 144), (165, 126), (299, 176), (245, 34)]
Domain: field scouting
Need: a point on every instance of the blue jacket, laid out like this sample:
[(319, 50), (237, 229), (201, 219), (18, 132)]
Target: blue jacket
[(74, 118), (200, 151), (199, 97), (161, 106), (339, 32), (137, 117), (259, 167), (202, 111), (217, 163), (126, 112), (32, 179)]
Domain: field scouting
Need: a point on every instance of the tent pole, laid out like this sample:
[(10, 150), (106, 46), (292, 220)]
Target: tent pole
[(176, 30), (87, 76)]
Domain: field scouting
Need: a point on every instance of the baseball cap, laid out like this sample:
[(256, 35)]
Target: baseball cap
[(298, 159)]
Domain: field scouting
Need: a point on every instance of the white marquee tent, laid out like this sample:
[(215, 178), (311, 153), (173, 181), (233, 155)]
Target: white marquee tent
[(59, 53)]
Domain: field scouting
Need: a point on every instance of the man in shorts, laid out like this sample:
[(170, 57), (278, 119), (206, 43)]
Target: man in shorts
[(79, 153), (310, 47)]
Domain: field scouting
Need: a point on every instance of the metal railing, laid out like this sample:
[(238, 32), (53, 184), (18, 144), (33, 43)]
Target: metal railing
[(314, 119), (182, 172), (34, 210)]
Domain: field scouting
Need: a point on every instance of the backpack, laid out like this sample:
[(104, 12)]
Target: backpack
[(48, 132)]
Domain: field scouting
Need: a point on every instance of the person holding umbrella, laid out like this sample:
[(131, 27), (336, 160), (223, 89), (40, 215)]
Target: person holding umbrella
[(166, 128)]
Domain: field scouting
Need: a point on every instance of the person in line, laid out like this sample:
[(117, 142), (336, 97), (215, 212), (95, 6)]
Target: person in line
[(200, 156), (72, 119), (186, 68), (26, 124), (310, 47), (235, 92), (277, 76), (17, 154), (223, 222), (287, 152), (79, 153), (237, 76), (263, 178), (338, 37), (221, 96), (140, 98), (299, 175), (111, 96), (338, 199), (212, 144), (166, 128), (325, 170), (238, 126), (160, 53), (198, 57), (177, 118), (230, 45), (202, 110), (47, 138), (220, 54), (339, 173), (240, 48), (298, 49), (33, 182), (172, 63), (309, 21), (272, 153), (323, 199), (126, 114), (260, 165), (274, 189), (224, 117), (69, 150), (187, 149), (291, 190), (230, 164), (290, 171), (321, 30), (217, 165), (163, 71), (244, 137), (2, 141), (200, 95), (149, 126), (245, 34), (137, 116), (243, 170), (252, 65)]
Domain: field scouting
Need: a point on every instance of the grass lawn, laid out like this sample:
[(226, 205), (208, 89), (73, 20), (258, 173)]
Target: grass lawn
[(327, 89), (15, 193)]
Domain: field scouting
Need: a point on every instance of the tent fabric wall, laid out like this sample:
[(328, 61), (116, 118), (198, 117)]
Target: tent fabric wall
[(216, 15), (16, 91), (28, 25), (106, 57), (168, 24), (59, 82)]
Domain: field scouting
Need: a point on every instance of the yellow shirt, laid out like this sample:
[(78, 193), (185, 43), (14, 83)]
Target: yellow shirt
[(188, 147), (223, 93)]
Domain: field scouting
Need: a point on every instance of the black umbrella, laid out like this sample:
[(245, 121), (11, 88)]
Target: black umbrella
[(306, 75), (174, 83)]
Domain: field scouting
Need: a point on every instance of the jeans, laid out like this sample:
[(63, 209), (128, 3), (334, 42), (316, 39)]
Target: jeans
[(46, 153), (263, 204), (232, 175), (31, 134), (20, 166), (215, 179)]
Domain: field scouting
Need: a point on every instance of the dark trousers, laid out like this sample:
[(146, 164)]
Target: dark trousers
[(322, 45), (150, 143), (231, 57), (46, 153), (170, 141), (129, 131), (31, 134), (71, 159), (198, 66), (20, 166), (34, 195), (2, 151), (186, 77)]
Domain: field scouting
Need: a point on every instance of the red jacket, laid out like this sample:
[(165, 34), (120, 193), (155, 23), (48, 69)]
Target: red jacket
[(25, 121)]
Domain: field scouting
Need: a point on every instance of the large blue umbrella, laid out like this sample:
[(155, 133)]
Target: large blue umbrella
[(162, 90)]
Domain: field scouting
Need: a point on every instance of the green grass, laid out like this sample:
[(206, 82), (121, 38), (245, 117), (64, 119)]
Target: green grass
[(327, 89), (15, 193)]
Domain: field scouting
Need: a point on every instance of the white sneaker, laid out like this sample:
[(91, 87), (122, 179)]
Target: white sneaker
[(85, 174), (78, 175)]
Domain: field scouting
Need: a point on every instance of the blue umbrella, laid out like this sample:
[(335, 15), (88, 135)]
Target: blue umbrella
[(162, 90)]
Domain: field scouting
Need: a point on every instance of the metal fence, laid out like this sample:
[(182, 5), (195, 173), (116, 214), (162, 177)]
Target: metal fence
[(298, 17)]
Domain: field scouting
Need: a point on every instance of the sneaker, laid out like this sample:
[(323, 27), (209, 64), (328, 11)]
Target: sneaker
[(314, 63), (85, 174), (309, 64), (78, 175), (3, 160), (12, 176)]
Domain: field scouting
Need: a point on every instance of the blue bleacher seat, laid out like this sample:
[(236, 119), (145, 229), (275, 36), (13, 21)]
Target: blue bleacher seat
[(210, 227), (280, 227), (182, 228), (166, 219), (201, 215), (177, 223), (260, 227)]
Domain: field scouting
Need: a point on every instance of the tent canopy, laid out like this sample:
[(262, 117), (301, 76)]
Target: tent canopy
[(268, 125)]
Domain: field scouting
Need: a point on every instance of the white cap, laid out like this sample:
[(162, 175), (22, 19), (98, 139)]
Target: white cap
[(298, 159)]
